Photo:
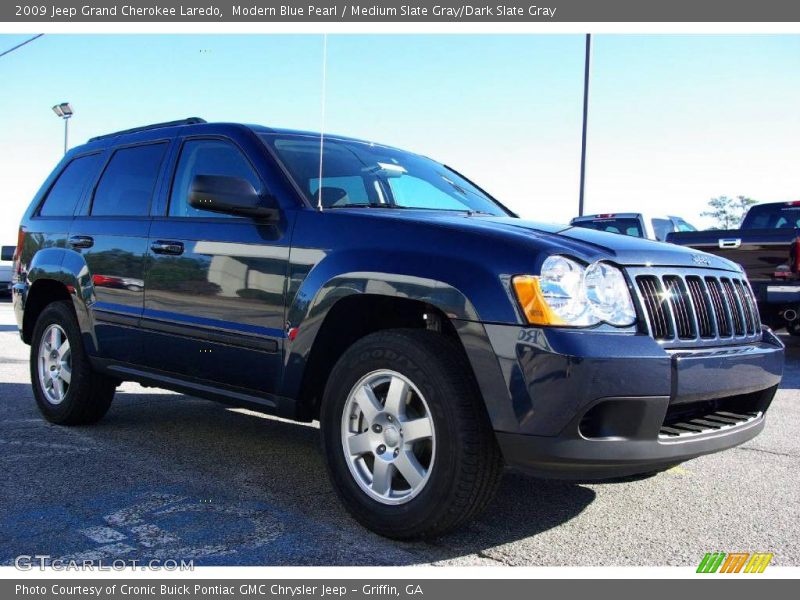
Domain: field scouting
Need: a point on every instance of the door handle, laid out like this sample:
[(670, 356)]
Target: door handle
[(167, 247), (730, 243), (81, 241)]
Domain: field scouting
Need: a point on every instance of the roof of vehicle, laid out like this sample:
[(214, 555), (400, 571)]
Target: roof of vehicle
[(198, 125), (622, 215), (762, 205), (608, 216)]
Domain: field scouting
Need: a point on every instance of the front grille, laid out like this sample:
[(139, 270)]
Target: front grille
[(697, 307)]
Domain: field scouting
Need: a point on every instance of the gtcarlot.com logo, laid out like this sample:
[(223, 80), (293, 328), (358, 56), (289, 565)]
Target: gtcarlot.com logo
[(734, 562), (27, 562)]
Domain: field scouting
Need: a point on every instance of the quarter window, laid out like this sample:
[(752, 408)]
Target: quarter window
[(661, 227), (127, 184), (68, 188), (207, 157)]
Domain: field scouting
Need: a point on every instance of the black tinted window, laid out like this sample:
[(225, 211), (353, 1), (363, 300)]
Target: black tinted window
[(206, 157), (773, 216), (66, 192), (127, 184)]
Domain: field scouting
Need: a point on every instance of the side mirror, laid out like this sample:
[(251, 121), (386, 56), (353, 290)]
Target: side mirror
[(8, 252), (229, 195)]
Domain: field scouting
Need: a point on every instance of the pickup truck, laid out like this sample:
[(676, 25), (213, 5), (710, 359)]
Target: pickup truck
[(766, 245), (652, 227), (6, 256), (434, 335)]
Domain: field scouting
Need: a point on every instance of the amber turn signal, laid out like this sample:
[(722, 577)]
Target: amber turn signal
[(530, 297)]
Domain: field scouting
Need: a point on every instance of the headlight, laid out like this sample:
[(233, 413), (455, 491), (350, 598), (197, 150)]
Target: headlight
[(567, 293), (608, 294)]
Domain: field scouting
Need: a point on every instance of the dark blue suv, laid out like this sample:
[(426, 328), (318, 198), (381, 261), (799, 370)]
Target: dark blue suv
[(433, 334)]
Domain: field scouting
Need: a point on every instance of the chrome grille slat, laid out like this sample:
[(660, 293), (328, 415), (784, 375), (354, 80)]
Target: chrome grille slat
[(744, 294), (679, 303), (702, 306), (736, 308), (696, 307), (723, 315), (659, 324)]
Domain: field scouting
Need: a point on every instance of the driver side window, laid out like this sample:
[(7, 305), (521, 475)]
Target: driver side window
[(206, 157)]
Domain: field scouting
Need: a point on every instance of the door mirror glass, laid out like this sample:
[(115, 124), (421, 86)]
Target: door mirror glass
[(8, 252), (229, 195)]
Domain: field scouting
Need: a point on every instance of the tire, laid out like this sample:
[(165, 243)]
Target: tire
[(461, 460), (86, 396)]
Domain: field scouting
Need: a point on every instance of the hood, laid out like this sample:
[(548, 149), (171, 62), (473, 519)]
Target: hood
[(587, 244)]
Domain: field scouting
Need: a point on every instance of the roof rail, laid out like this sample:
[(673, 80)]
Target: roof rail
[(189, 121)]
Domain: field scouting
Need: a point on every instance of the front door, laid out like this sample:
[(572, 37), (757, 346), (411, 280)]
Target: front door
[(214, 308)]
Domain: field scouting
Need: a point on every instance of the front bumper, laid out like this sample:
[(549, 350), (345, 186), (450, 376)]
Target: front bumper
[(588, 404)]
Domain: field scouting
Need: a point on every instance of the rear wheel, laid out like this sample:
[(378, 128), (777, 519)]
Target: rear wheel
[(408, 444), (66, 389)]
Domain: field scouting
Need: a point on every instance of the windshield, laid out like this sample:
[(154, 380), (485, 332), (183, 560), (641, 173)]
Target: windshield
[(359, 174)]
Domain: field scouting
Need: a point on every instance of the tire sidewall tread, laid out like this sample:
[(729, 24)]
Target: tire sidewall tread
[(467, 465), (90, 394)]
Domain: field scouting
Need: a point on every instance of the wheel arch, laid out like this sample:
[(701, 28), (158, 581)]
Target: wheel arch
[(325, 335), (57, 274)]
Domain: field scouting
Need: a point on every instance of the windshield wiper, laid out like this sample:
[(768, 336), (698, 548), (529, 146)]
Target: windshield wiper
[(367, 205)]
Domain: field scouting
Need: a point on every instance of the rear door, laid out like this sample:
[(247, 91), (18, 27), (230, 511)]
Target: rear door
[(50, 223), (214, 307), (112, 236)]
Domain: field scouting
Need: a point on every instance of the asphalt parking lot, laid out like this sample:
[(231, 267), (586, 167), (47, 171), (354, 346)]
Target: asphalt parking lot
[(170, 476)]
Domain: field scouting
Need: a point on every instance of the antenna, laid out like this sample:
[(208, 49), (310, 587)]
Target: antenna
[(322, 125)]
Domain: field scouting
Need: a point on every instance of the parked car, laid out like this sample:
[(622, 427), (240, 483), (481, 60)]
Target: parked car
[(433, 334), (634, 224), (6, 257), (766, 245)]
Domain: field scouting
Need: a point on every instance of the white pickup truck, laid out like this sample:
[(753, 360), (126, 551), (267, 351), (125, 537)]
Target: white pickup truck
[(652, 227), (6, 257)]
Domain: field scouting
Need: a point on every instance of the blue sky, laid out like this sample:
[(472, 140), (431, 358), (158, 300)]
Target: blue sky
[(674, 119)]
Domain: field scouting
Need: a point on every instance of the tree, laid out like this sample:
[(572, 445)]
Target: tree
[(728, 212)]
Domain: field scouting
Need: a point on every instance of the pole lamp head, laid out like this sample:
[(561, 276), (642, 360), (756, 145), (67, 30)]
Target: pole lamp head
[(63, 110)]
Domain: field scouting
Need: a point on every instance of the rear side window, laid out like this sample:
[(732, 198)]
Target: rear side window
[(207, 157), (127, 184), (68, 188)]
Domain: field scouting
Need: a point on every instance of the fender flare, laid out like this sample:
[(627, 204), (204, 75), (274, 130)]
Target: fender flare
[(308, 315), (68, 268)]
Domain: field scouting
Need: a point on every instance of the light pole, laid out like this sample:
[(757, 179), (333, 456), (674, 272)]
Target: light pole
[(586, 70), (64, 110)]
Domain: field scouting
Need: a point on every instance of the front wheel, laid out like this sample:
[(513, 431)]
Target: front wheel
[(408, 444), (66, 389)]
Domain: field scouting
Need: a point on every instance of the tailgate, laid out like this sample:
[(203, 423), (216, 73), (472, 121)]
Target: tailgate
[(762, 252)]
